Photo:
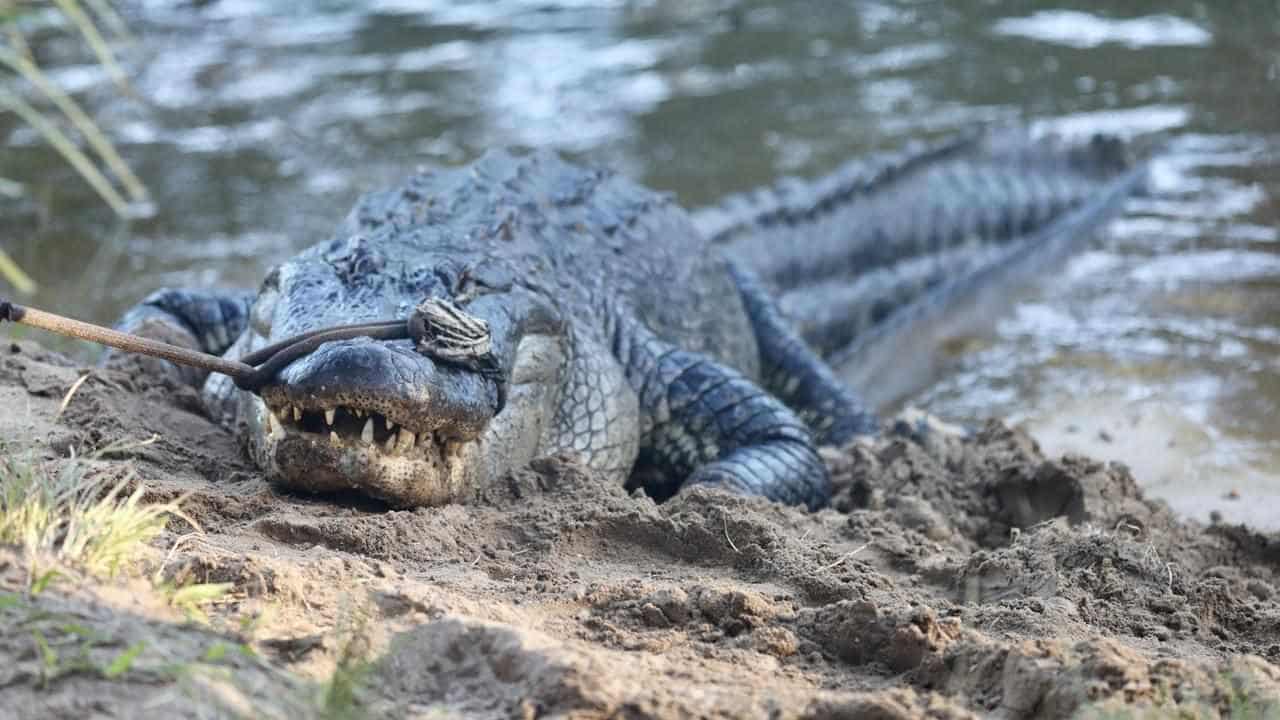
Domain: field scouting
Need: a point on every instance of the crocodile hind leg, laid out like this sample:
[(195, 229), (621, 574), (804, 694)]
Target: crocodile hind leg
[(703, 423), (795, 373), (204, 320)]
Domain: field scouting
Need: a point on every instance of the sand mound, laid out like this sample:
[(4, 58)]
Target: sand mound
[(952, 578)]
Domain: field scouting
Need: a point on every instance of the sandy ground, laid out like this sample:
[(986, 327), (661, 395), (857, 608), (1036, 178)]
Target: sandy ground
[(950, 579)]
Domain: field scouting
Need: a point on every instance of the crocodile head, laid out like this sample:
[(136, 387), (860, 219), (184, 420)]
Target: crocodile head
[(380, 417)]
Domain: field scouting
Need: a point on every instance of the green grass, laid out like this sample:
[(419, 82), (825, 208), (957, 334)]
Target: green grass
[(192, 598), (70, 519), (63, 640), (60, 510), (66, 647), (339, 697), (1234, 696)]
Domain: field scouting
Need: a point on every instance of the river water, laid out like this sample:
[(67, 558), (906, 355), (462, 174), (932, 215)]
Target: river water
[(256, 124)]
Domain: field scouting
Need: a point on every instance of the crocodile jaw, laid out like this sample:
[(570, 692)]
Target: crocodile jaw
[(317, 446), (336, 448)]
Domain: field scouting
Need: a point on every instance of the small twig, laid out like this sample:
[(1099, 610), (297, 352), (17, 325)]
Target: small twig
[(125, 445), (1123, 523), (182, 539), (725, 518), (66, 399), (845, 556), (120, 340)]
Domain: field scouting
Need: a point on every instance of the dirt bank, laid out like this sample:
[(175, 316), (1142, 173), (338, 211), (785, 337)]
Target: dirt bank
[(951, 579)]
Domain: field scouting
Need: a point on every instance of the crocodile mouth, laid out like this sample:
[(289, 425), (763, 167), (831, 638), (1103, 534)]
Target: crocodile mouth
[(382, 420), (336, 448), (351, 428)]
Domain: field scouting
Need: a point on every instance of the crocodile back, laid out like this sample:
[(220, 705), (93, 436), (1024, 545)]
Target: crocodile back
[(588, 239)]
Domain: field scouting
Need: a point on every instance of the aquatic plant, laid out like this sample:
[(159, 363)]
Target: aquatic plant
[(18, 61)]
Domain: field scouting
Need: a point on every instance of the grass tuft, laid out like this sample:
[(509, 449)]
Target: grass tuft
[(190, 598), (340, 697), (59, 510)]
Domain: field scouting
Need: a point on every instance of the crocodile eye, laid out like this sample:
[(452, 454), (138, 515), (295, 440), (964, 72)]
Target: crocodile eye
[(264, 309)]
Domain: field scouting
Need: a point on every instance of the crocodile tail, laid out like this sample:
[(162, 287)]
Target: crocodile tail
[(862, 266), (793, 202)]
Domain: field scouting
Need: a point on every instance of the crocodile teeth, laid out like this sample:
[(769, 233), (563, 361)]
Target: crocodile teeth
[(273, 422), (297, 414), (328, 415), (390, 445), (391, 427), (404, 440), (367, 433), (334, 439), (359, 412)]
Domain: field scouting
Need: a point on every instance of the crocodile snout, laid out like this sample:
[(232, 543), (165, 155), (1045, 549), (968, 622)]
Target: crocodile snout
[(392, 380), (377, 417)]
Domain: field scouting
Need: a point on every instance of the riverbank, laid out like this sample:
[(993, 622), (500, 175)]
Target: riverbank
[(951, 578)]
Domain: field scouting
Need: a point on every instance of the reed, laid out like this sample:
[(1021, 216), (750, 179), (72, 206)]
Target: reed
[(17, 60)]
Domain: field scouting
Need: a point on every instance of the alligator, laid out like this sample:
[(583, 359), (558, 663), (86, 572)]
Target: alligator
[(665, 349)]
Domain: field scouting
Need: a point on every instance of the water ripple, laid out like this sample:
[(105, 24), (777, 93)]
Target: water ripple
[(1086, 30)]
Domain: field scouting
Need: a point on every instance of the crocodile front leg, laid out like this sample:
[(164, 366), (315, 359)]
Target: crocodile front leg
[(703, 423), (793, 371), (205, 320)]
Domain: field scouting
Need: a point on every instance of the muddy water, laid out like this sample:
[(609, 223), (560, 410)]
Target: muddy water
[(257, 124)]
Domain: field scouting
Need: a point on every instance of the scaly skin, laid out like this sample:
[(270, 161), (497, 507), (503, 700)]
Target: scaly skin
[(624, 334), (845, 253)]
